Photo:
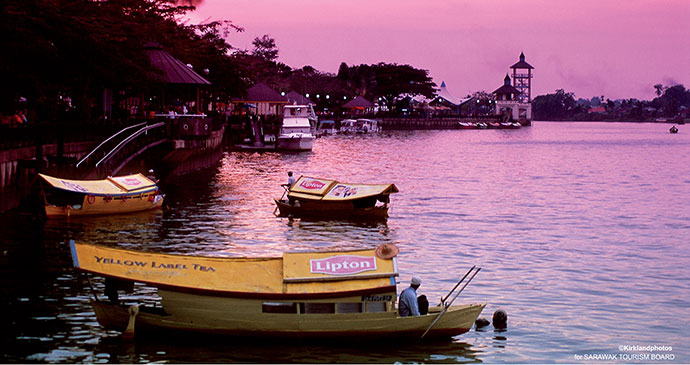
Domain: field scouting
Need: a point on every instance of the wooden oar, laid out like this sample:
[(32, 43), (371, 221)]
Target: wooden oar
[(443, 300), (285, 190), (446, 306)]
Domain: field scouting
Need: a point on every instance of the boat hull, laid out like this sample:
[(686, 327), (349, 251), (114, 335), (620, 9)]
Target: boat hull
[(296, 143), (102, 205), (329, 210), (223, 316)]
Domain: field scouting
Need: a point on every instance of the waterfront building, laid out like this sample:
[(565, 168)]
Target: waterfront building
[(445, 100), (263, 99), (359, 105), (515, 99)]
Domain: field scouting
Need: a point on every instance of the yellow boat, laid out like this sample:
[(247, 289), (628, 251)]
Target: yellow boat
[(344, 294), (121, 194), (322, 198)]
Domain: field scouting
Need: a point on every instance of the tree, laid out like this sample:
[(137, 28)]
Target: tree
[(558, 106), (672, 99), (265, 48), (659, 89)]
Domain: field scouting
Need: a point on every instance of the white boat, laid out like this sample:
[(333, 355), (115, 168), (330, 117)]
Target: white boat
[(365, 126), (348, 126), (359, 126), (298, 130)]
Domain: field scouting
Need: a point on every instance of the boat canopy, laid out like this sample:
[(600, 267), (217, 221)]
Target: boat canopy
[(330, 190), (293, 273), (296, 122), (129, 184)]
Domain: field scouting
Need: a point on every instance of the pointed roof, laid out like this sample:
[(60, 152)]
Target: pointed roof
[(522, 63), (507, 88), (173, 71), (262, 93), (358, 102), (447, 96), (297, 98)]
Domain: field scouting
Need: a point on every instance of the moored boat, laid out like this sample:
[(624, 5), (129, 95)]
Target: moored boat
[(345, 294), (121, 194), (327, 199), (298, 131)]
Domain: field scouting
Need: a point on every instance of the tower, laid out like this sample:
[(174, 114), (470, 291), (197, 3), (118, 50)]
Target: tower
[(522, 79)]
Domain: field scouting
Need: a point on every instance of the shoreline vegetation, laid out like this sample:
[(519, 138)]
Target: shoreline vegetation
[(68, 57)]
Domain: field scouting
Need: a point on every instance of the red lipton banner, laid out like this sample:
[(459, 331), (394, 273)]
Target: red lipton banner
[(343, 265), (312, 184)]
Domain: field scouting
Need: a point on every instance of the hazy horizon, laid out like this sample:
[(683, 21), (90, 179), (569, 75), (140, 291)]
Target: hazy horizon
[(590, 48)]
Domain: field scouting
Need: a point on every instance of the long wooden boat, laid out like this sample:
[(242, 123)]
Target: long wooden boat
[(345, 294), (121, 194), (323, 198)]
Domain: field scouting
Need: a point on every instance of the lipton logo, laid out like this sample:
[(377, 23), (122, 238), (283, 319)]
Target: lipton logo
[(312, 184), (343, 265), (132, 181)]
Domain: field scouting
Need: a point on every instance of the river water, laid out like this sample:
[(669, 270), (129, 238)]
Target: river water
[(582, 232)]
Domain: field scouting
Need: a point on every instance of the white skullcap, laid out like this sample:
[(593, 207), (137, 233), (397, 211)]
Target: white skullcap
[(416, 280)]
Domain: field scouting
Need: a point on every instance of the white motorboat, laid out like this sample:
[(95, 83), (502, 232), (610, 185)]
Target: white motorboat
[(297, 132)]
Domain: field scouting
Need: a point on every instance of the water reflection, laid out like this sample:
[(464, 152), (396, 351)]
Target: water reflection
[(565, 234)]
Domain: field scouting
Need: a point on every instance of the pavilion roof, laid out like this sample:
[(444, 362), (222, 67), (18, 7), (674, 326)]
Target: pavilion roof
[(172, 70), (507, 89), (260, 92), (295, 97), (358, 102)]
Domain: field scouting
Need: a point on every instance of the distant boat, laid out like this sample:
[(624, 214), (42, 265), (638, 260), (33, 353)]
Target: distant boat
[(365, 126), (673, 129), (298, 131), (121, 194), (466, 125), (326, 128), (344, 295)]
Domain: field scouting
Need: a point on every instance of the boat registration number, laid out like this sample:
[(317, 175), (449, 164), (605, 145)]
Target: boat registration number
[(377, 298)]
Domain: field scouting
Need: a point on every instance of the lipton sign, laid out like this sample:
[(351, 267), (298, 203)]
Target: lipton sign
[(312, 184), (343, 265)]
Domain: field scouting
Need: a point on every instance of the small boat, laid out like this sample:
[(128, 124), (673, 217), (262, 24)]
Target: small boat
[(121, 194), (673, 129), (348, 295), (466, 125), (365, 126), (298, 131), (348, 126), (482, 125), (312, 197), (326, 127)]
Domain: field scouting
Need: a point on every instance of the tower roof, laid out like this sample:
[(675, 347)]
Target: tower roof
[(522, 63), (507, 88)]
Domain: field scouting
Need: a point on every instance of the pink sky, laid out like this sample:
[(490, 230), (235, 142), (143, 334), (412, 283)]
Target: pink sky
[(618, 49)]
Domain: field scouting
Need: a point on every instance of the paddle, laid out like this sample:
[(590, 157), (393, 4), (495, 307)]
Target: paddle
[(285, 190), (446, 306)]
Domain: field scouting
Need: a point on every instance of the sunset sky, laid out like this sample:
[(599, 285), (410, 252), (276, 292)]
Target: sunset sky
[(618, 49)]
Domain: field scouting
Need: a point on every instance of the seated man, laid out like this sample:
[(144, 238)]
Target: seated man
[(408, 305)]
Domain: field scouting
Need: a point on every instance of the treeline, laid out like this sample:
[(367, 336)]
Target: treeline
[(76, 48), (672, 102)]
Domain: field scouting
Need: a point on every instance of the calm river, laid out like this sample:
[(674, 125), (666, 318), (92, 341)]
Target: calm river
[(582, 231)]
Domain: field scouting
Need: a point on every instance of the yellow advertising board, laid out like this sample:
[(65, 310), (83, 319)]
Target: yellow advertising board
[(112, 186), (308, 272), (323, 189)]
